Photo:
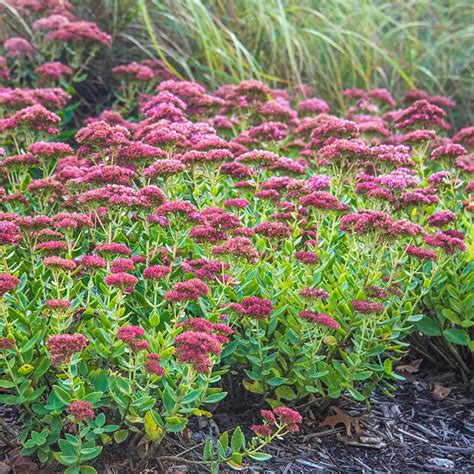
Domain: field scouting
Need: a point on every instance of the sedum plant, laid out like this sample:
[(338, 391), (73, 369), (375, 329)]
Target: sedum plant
[(216, 240)]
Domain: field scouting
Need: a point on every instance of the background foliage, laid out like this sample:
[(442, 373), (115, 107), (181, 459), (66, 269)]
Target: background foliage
[(329, 45)]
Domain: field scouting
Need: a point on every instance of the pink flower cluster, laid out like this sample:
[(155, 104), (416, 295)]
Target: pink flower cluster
[(63, 346), (253, 307), (279, 416)]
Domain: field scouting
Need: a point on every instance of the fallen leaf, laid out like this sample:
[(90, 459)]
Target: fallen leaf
[(412, 368), (341, 417), (440, 392)]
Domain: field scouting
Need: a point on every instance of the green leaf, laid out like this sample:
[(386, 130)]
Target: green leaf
[(223, 444), (90, 453), (215, 397), (208, 451), (67, 448), (154, 319), (457, 336), (428, 326), (152, 429), (100, 419), (191, 396), (363, 375), (64, 396), (260, 456), (169, 399), (276, 381), (31, 342), (87, 470), (6, 384), (71, 469), (238, 440), (286, 393), (175, 424)]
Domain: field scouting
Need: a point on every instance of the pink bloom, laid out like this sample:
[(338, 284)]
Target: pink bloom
[(6, 343), (341, 149), (367, 307), (442, 218), (58, 262), (189, 290), (63, 346), (52, 246), (421, 114), (81, 410), (322, 319), (268, 416), (35, 117), (155, 272), (262, 430), (465, 136), (274, 230), (93, 261), (421, 253), (204, 268), (260, 157), (10, 233), (239, 247), (58, 304), (101, 135), (320, 182), (122, 265), (152, 365), (239, 203), (121, 280), (164, 168), (323, 200), (289, 417), (443, 240), (333, 127), (8, 283), (314, 293), (308, 258), (128, 333), (53, 70), (253, 307), (419, 136), (113, 248), (18, 47), (375, 292), (449, 151), (195, 347), (313, 106), (79, 32), (134, 72)]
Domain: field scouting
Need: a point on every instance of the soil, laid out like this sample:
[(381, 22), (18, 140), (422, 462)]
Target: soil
[(427, 426)]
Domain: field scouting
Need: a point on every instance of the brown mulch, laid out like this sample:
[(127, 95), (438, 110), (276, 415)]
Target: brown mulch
[(427, 426)]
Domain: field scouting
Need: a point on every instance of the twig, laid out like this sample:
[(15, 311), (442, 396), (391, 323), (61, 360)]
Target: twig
[(8, 428), (453, 449), (424, 430), (180, 460), (6, 441), (411, 435)]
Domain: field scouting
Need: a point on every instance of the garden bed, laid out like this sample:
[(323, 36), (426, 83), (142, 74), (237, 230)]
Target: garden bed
[(409, 432)]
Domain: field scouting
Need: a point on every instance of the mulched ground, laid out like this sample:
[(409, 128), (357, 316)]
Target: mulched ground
[(412, 432)]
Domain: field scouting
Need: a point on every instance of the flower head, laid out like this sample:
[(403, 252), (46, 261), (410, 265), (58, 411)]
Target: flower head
[(63, 346), (189, 290), (81, 410), (253, 307)]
